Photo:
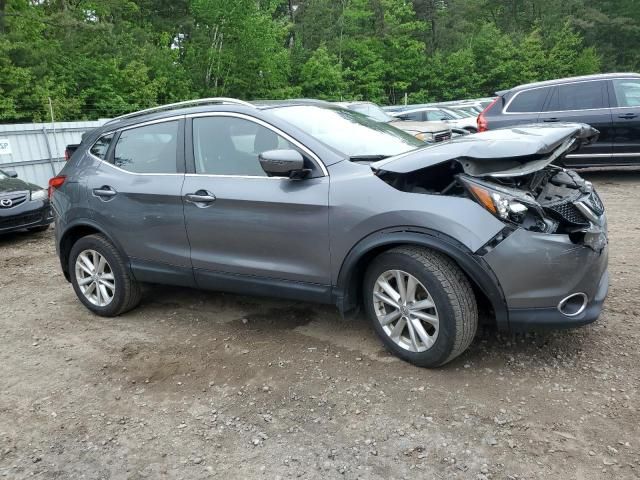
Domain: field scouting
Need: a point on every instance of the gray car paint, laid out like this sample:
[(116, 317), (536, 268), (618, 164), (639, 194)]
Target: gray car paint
[(146, 214), (223, 234), (362, 204), (304, 241)]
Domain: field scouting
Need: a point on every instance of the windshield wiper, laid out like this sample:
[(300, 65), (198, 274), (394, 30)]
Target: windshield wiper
[(367, 158)]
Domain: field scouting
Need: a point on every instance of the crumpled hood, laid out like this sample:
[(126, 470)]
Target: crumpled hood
[(498, 153)]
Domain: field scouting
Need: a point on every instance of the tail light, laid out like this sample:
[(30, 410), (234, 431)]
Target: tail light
[(55, 183), (483, 124)]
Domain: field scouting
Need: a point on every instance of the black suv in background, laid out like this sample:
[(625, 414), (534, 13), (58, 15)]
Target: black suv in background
[(608, 102)]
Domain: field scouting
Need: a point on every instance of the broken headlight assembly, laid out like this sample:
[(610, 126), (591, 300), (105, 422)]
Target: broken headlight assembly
[(508, 204)]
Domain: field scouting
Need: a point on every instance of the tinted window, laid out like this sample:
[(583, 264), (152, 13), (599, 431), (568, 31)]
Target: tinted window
[(230, 146), (148, 149), (349, 132), (627, 92), (100, 148), (528, 101), (578, 96)]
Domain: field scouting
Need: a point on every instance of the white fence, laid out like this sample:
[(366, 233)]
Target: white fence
[(36, 150)]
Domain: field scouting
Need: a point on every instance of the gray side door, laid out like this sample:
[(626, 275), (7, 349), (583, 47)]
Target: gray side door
[(250, 229), (135, 195)]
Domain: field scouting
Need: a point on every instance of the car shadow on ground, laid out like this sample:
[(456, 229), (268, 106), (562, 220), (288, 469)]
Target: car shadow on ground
[(275, 320), (13, 238)]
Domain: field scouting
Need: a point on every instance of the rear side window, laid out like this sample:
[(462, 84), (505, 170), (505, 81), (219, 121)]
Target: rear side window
[(528, 101), (148, 149), (230, 146), (627, 92), (100, 148), (578, 96)]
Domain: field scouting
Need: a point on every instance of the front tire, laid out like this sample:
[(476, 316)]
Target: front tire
[(101, 278), (421, 305)]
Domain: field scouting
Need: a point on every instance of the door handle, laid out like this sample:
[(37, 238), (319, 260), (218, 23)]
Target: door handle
[(200, 197), (552, 119), (628, 116), (104, 192)]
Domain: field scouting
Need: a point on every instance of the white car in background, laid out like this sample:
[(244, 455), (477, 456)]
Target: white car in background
[(457, 121), (431, 131)]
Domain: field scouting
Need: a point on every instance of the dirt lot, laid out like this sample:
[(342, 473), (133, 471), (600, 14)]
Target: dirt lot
[(198, 385)]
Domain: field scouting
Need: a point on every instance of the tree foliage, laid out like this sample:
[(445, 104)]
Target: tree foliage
[(95, 58)]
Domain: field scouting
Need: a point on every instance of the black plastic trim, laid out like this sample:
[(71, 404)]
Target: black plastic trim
[(474, 266), (262, 286)]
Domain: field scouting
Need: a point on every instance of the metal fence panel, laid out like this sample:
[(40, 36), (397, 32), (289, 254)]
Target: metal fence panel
[(36, 150)]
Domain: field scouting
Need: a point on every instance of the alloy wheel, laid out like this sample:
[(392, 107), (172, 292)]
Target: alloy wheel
[(95, 278), (406, 310)]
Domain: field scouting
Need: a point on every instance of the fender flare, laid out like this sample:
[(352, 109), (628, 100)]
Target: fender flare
[(478, 271), (85, 223)]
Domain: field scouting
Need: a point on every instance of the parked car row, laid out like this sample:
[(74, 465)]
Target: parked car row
[(608, 102), (316, 202), (427, 130), (23, 205)]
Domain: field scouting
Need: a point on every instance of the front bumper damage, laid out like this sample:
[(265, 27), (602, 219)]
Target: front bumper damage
[(550, 260), (538, 271)]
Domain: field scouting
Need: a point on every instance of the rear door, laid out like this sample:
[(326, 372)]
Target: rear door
[(583, 102), (136, 196), (625, 99), (249, 230), (522, 107)]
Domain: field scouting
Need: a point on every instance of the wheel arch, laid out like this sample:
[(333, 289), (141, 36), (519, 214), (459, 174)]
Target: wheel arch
[(72, 234), (348, 291)]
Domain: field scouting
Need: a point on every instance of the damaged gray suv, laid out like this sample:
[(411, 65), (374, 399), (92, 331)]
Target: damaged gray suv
[(317, 203)]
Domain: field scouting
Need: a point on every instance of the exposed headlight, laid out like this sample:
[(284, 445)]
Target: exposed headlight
[(424, 136), (505, 203), (39, 194)]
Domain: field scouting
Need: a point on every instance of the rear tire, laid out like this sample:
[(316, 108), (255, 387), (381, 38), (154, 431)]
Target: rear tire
[(438, 301), (101, 277)]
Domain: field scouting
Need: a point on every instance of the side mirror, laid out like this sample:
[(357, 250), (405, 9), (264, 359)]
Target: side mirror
[(444, 119), (11, 173), (283, 163)]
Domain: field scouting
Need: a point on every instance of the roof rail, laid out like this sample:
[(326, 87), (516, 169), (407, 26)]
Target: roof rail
[(186, 103)]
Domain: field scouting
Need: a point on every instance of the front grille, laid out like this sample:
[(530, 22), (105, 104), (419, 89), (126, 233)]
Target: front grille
[(441, 137), (568, 213), (16, 199), (595, 204), (20, 221)]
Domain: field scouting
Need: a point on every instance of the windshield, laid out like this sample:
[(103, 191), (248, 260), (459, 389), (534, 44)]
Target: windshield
[(453, 113), (371, 110), (349, 132)]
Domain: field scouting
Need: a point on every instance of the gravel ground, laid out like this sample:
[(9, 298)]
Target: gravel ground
[(198, 385)]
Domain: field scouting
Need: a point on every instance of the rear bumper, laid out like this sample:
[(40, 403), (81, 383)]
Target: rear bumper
[(27, 215)]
